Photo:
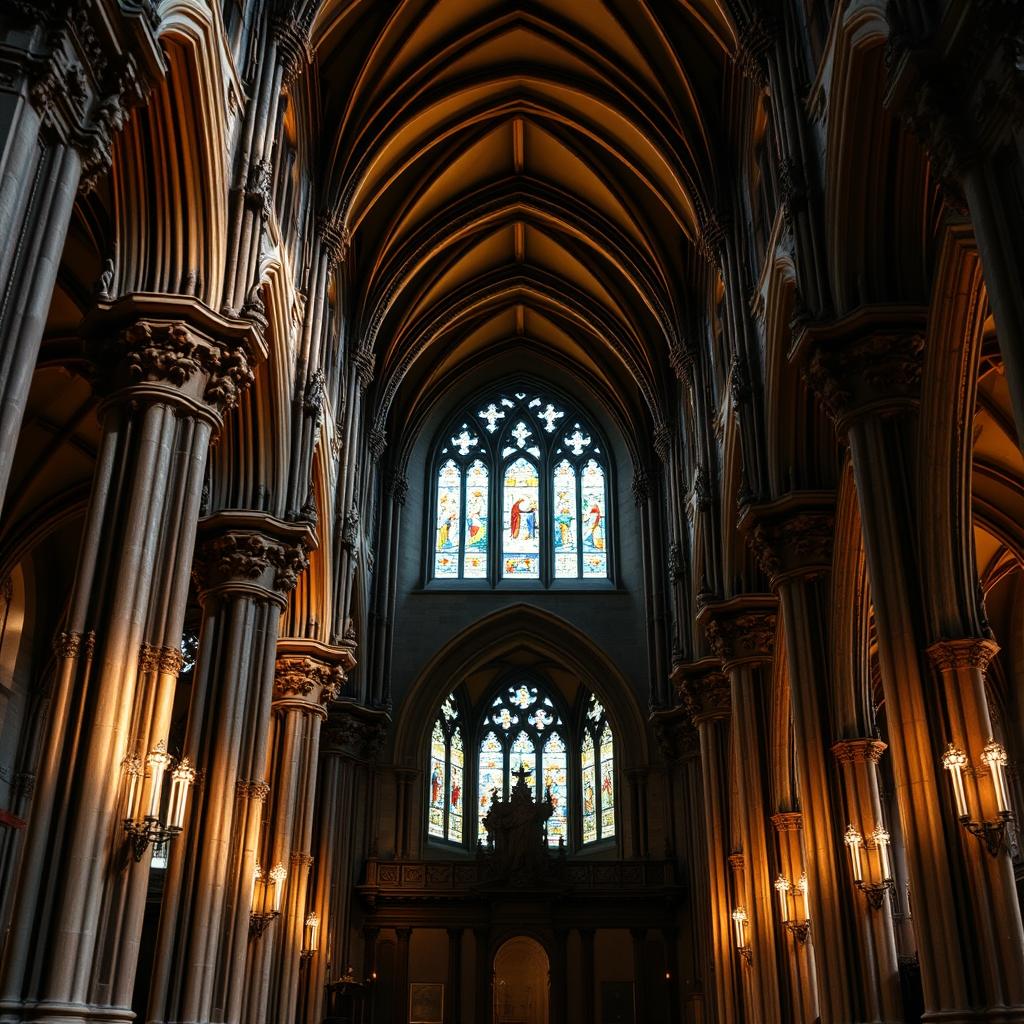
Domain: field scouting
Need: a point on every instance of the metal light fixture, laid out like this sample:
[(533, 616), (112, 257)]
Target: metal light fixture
[(151, 828), (266, 888), (994, 833), (800, 925), (310, 934), (873, 891), (739, 923)]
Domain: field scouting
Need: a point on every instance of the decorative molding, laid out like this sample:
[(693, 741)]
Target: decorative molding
[(354, 732), (302, 676), (741, 630), (968, 652), (859, 751), (167, 660), (787, 821), (792, 536)]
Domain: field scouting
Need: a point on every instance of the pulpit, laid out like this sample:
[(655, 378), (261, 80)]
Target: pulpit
[(346, 1002)]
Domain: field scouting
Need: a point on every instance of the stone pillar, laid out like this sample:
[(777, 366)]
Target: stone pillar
[(453, 1004), (792, 538), (66, 85), (402, 975), (350, 741), (309, 675), (796, 935), (246, 565), (587, 974), (866, 370), (858, 760), (704, 690), (741, 633), (169, 367)]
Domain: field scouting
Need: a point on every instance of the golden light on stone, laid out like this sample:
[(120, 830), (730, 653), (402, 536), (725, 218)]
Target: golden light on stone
[(854, 841), (954, 761), (994, 755)]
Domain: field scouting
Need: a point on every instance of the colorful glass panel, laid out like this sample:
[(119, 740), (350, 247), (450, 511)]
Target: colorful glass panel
[(523, 756), (520, 525), (595, 538), (490, 777), (476, 522), (522, 695), (565, 524), (607, 783), (438, 758), (455, 782), (555, 783), (446, 539), (589, 789)]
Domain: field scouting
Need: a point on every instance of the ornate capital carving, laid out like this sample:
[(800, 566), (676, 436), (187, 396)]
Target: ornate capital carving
[(397, 486), (363, 362), (160, 659), (677, 738), (792, 536), (756, 36), (376, 442), (859, 751), (253, 789), (292, 37), (969, 652), (741, 630), (311, 679), (788, 821), (868, 375), (335, 240), (704, 691), (354, 733), (74, 645), (663, 442)]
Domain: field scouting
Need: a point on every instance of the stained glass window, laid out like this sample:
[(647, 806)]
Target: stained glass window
[(597, 767), (491, 776), (445, 787), (555, 785), (525, 463)]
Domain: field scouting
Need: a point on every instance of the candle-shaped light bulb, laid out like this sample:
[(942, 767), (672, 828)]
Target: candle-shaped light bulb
[(881, 839), (159, 761), (994, 755), (854, 840), (782, 888), (278, 873), (181, 778), (133, 773), (954, 761), (801, 887), (739, 920), (257, 874), (312, 927)]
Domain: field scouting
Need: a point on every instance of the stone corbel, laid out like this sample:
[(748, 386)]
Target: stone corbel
[(792, 536), (741, 630)]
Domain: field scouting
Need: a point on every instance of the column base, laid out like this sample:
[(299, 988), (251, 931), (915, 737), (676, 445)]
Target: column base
[(994, 1015), (63, 1013)]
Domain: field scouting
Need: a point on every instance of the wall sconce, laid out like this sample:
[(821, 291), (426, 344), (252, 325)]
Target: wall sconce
[(880, 839), (739, 923), (151, 828), (995, 834), (310, 934), (800, 925), (273, 886)]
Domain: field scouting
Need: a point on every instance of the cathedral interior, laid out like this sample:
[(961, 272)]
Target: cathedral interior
[(512, 511)]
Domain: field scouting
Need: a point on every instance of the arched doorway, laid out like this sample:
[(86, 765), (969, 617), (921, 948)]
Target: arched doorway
[(521, 982)]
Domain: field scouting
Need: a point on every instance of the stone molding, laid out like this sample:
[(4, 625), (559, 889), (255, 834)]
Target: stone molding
[(741, 630), (354, 732), (968, 652), (253, 789), (859, 751), (167, 660), (787, 821), (251, 551), (703, 689), (71, 644), (306, 679), (792, 536)]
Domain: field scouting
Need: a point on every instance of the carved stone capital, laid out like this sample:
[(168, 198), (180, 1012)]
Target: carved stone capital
[(309, 680), (253, 789), (677, 738), (363, 363), (859, 751), (334, 241), (736, 862), (756, 35), (641, 485), (662, 441), (792, 536), (741, 630), (291, 34), (70, 645), (171, 348), (354, 733), (788, 821), (969, 652), (868, 365), (253, 552), (376, 442), (704, 690), (167, 660)]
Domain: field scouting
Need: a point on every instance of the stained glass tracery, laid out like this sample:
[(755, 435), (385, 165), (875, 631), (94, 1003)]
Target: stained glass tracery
[(597, 773), (447, 774)]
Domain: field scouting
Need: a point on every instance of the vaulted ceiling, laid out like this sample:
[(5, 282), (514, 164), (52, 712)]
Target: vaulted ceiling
[(521, 175)]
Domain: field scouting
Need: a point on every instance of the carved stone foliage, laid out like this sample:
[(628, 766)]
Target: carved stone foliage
[(311, 678), (346, 734), (238, 556), (756, 36), (797, 542), (859, 751), (160, 659), (335, 241), (741, 635), (867, 374), (676, 735), (74, 645), (969, 652), (706, 695)]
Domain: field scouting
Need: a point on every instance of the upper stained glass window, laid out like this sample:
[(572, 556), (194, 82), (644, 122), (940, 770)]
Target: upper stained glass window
[(536, 469)]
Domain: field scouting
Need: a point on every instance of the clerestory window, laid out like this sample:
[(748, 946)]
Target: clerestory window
[(520, 494)]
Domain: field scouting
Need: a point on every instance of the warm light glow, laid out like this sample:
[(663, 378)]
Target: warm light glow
[(954, 761), (994, 755), (133, 769), (181, 778), (739, 920), (312, 929), (257, 874), (159, 761), (801, 887), (278, 873), (880, 837), (854, 841), (782, 888)]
